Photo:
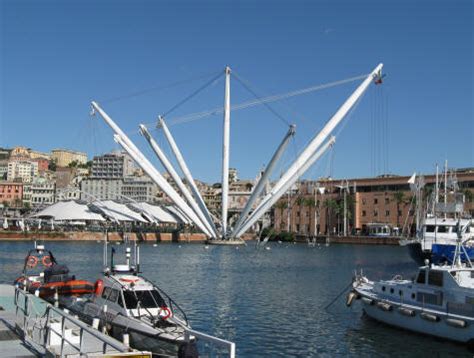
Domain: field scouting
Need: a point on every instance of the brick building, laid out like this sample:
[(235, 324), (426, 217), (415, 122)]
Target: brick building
[(11, 193), (385, 200)]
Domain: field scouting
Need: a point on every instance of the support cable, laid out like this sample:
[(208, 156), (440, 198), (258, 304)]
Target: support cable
[(156, 88), (193, 94), (246, 85), (198, 115)]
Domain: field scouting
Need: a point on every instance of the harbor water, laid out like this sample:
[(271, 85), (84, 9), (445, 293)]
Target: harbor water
[(270, 302)]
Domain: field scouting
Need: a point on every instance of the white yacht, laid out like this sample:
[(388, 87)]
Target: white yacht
[(438, 302)]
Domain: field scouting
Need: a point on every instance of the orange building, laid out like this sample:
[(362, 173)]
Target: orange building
[(11, 193), (381, 200)]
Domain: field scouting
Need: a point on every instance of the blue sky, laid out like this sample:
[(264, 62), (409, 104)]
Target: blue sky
[(57, 56)]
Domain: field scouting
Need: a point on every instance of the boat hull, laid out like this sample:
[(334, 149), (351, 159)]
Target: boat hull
[(439, 253), (429, 323)]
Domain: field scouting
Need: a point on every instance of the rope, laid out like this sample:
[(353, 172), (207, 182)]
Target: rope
[(274, 98), (246, 85), (156, 88), (186, 99), (337, 297)]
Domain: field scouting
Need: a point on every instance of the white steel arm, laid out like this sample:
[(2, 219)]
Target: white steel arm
[(172, 172), (164, 185), (225, 153), (263, 179), (186, 172), (145, 164), (276, 194), (330, 125)]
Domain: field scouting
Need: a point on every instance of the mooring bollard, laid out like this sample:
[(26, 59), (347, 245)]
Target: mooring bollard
[(126, 339)]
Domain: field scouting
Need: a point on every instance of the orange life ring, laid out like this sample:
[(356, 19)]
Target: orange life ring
[(167, 312), (98, 287), (31, 261), (46, 260)]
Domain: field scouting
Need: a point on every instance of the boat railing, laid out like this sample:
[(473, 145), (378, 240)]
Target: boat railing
[(226, 348), (171, 303), (51, 328)]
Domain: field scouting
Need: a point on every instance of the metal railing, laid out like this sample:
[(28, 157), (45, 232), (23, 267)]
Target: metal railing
[(227, 346), (54, 328)]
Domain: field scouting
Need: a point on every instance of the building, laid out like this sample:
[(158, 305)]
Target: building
[(42, 191), (20, 154), (3, 169), (24, 170), (112, 165), (140, 189), (35, 155), (64, 157), (317, 207), (11, 194), (43, 164)]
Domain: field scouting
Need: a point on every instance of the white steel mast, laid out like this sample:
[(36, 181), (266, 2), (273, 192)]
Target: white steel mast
[(263, 179), (295, 170), (172, 172), (225, 152), (145, 164), (187, 173), (274, 195)]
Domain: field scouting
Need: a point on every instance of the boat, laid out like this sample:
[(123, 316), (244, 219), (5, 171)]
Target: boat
[(126, 302), (44, 277), (438, 241), (437, 225), (438, 302)]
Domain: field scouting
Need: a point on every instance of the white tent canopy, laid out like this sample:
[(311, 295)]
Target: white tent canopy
[(118, 212), (178, 214), (68, 211), (157, 213)]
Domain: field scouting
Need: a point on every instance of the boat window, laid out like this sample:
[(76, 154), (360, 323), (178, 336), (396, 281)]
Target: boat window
[(391, 290), (110, 294), (429, 298), (435, 278), (148, 299), (421, 277), (430, 228), (442, 228)]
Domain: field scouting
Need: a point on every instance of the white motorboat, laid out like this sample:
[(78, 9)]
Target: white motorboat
[(127, 303), (438, 302)]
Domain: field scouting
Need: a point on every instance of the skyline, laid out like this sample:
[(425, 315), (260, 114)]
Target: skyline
[(58, 57)]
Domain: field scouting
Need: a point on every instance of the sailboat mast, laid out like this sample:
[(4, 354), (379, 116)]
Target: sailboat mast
[(225, 152), (445, 187)]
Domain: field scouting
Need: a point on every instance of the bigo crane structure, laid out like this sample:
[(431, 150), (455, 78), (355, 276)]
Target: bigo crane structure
[(187, 197)]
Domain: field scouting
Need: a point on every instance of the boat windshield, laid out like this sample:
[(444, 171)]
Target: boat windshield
[(148, 299)]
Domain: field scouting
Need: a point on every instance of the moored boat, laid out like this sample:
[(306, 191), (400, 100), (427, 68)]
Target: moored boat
[(125, 302), (43, 276), (438, 302)]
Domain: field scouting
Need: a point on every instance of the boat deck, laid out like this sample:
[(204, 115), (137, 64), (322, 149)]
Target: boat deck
[(11, 344), (33, 328)]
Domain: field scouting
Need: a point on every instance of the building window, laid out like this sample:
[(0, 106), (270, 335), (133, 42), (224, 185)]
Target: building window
[(376, 213), (364, 213), (387, 212), (363, 201), (376, 201), (387, 201)]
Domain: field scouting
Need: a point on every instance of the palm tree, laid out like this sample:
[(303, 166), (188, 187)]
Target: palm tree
[(399, 197), (331, 207)]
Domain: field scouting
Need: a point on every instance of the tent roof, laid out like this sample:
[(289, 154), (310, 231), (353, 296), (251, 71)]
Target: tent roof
[(68, 210), (158, 213), (178, 213), (117, 211)]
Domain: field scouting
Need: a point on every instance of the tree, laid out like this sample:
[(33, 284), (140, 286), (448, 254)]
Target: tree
[(399, 197), (73, 164), (52, 165), (331, 207)]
